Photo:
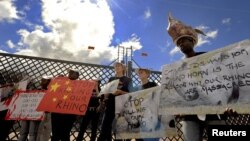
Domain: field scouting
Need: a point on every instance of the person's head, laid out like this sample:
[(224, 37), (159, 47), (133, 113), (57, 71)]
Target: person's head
[(185, 44), (184, 36), (73, 74), (119, 68), (45, 81), (143, 73)]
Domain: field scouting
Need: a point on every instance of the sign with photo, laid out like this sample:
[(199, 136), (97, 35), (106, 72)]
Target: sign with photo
[(208, 83), (137, 116)]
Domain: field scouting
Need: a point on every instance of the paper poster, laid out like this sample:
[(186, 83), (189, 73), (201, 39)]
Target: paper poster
[(24, 104), (208, 83), (67, 96), (110, 87), (137, 116)]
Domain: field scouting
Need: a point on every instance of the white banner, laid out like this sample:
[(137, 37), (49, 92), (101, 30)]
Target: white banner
[(24, 104), (137, 116), (110, 87), (208, 83)]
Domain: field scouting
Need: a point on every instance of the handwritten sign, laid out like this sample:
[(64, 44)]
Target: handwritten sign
[(110, 87), (67, 96), (208, 83), (137, 115), (23, 106)]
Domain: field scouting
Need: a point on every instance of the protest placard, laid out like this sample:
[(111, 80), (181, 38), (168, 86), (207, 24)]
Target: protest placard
[(137, 116), (67, 96), (110, 87), (23, 106), (208, 83)]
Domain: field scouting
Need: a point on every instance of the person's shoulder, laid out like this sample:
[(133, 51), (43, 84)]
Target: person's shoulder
[(149, 85), (152, 83), (199, 53), (112, 78)]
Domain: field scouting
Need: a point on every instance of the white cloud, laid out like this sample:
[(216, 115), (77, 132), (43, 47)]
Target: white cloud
[(226, 21), (74, 25), (10, 44), (2, 51), (8, 11), (147, 14), (164, 48), (211, 34), (133, 42)]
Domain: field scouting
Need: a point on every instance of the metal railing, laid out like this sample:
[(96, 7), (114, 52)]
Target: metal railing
[(13, 67)]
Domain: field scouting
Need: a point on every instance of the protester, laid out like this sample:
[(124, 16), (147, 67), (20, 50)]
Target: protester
[(144, 75), (30, 127), (109, 99), (185, 38), (44, 129), (7, 124), (92, 115), (62, 123)]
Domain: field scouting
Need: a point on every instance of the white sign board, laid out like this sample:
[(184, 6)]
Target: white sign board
[(208, 83), (110, 87), (137, 116), (24, 104)]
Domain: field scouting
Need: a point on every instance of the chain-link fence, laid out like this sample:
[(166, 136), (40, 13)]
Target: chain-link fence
[(14, 67)]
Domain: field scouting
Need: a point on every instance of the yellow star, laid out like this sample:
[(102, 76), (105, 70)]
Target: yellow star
[(67, 82), (54, 87), (54, 99), (69, 89), (65, 97)]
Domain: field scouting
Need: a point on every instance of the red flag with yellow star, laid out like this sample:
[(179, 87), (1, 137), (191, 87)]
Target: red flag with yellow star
[(67, 96)]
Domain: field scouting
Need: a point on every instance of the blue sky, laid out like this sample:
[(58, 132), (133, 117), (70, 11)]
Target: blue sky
[(63, 29)]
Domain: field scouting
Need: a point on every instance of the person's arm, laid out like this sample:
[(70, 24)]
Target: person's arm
[(119, 92)]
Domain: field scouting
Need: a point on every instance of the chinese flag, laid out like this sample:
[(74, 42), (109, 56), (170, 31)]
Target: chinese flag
[(67, 96)]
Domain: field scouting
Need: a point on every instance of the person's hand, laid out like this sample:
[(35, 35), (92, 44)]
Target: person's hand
[(119, 92), (230, 112), (101, 106), (179, 116)]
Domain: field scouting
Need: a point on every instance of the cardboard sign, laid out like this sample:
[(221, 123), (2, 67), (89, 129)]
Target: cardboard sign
[(23, 106), (67, 96), (137, 116), (208, 83)]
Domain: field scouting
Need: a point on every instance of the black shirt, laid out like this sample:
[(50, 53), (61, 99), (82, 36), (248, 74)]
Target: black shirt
[(149, 85), (123, 85)]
